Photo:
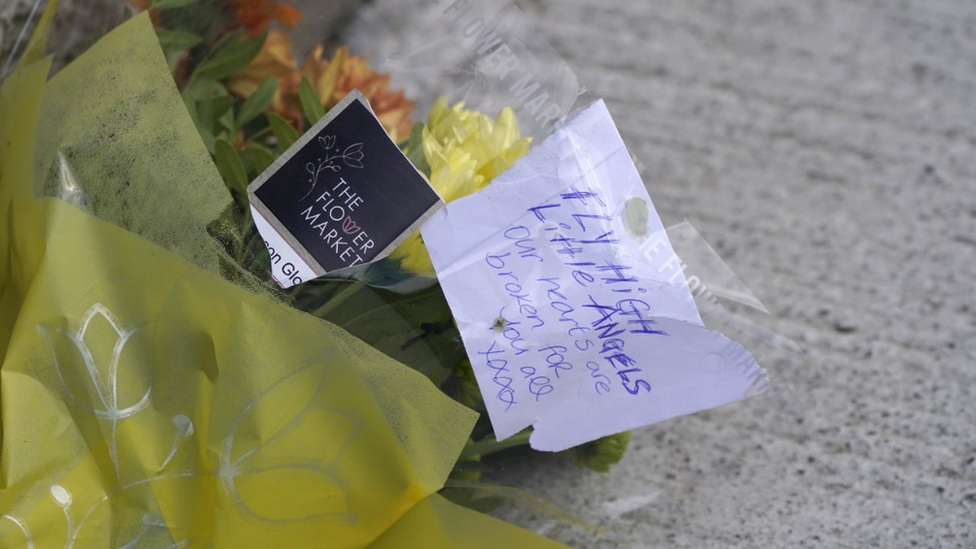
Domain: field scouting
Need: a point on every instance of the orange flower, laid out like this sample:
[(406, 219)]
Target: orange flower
[(256, 15), (334, 79), (275, 60)]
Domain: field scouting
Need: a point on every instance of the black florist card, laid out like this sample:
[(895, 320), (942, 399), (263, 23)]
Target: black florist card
[(342, 196)]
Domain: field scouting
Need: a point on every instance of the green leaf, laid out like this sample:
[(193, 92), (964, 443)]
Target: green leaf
[(218, 89), (258, 101), (170, 4), (232, 36), (226, 121), (173, 61), (232, 170), (256, 159), (230, 59), (415, 329), (247, 157), (313, 109), (172, 40), (415, 149), (210, 110), (194, 92), (263, 159), (222, 105), (602, 453), (208, 138), (284, 132)]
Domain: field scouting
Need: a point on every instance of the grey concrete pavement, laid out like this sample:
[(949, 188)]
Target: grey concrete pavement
[(828, 150)]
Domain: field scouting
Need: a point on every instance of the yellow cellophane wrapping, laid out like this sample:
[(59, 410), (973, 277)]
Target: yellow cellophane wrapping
[(148, 402)]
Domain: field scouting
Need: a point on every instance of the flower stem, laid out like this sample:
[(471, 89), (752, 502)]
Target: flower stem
[(489, 445), (338, 299)]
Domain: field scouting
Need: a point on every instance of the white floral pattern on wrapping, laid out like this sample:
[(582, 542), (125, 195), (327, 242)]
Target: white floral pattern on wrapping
[(237, 466), (104, 377)]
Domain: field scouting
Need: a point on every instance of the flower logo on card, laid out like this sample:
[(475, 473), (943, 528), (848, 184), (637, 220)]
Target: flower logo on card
[(332, 161), (323, 208)]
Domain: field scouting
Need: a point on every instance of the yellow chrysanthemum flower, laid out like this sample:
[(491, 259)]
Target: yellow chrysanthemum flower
[(466, 150)]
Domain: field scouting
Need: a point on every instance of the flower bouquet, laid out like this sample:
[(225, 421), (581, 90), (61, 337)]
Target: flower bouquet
[(162, 388)]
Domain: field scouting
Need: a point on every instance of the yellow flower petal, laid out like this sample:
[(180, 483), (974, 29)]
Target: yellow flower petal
[(465, 150), (329, 80)]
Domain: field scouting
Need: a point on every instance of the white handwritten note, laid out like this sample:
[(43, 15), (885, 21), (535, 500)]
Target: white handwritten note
[(570, 328)]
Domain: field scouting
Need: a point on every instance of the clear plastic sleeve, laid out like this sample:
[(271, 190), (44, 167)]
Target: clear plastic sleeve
[(116, 139)]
